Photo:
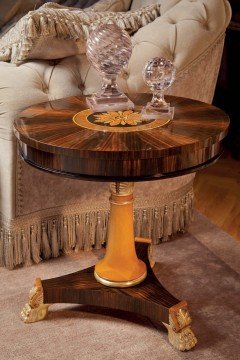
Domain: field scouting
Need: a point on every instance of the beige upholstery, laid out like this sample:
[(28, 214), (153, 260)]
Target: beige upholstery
[(37, 208)]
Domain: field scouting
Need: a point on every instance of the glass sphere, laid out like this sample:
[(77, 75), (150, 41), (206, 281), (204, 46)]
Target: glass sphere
[(109, 49), (159, 73)]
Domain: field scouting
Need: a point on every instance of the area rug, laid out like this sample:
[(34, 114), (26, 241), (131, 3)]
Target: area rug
[(202, 266)]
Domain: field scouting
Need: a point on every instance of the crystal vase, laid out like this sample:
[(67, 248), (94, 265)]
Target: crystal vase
[(108, 50)]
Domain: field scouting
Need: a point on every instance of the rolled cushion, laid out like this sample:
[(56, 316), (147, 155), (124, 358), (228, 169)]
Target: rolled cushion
[(12, 10), (53, 31)]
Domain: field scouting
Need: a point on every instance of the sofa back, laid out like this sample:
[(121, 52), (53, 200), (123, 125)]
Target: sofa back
[(136, 4)]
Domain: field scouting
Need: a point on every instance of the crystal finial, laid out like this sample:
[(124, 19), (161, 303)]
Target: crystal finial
[(159, 74), (109, 49)]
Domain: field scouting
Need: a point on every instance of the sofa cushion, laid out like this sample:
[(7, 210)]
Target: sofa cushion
[(53, 31)]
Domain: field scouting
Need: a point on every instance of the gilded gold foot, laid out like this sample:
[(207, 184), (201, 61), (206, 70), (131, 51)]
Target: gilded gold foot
[(35, 309), (180, 334), (182, 340)]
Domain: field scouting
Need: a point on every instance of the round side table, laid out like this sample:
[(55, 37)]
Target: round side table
[(66, 138)]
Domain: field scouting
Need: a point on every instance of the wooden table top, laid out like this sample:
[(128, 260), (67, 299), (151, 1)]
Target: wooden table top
[(50, 140)]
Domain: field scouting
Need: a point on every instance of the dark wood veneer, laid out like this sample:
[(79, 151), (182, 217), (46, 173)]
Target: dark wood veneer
[(50, 140), (149, 298)]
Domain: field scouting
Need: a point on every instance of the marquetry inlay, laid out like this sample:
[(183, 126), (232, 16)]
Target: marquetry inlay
[(116, 121)]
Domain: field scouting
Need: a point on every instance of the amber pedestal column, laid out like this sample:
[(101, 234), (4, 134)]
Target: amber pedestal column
[(120, 266)]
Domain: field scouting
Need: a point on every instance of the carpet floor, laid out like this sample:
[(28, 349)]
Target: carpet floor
[(202, 266)]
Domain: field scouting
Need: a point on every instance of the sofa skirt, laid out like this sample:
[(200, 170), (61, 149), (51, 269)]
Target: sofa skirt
[(45, 234)]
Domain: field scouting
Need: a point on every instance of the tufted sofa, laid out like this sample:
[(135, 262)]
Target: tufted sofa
[(37, 208)]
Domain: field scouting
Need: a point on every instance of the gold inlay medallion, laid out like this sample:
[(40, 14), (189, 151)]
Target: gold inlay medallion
[(116, 121)]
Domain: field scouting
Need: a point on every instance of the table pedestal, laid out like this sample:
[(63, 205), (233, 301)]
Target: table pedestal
[(121, 268)]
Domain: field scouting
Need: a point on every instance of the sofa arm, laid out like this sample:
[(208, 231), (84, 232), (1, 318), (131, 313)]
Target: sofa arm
[(31, 83), (22, 86), (182, 34)]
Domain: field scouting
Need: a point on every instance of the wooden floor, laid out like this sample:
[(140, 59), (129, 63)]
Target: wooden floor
[(217, 194)]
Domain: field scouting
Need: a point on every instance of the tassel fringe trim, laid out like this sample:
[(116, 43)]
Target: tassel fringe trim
[(86, 231)]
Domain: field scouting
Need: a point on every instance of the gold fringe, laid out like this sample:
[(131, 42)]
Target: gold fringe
[(35, 248), (79, 234), (181, 218), (165, 224), (175, 219), (9, 260), (51, 26), (66, 246), (26, 248), (155, 227), (54, 240), (87, 230), (45, 247), (72, 233), (32, 31)]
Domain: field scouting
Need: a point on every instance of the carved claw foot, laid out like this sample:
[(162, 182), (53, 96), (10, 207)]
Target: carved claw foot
[(35, 309), (182, 340), (30, 315), (180, 334)]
